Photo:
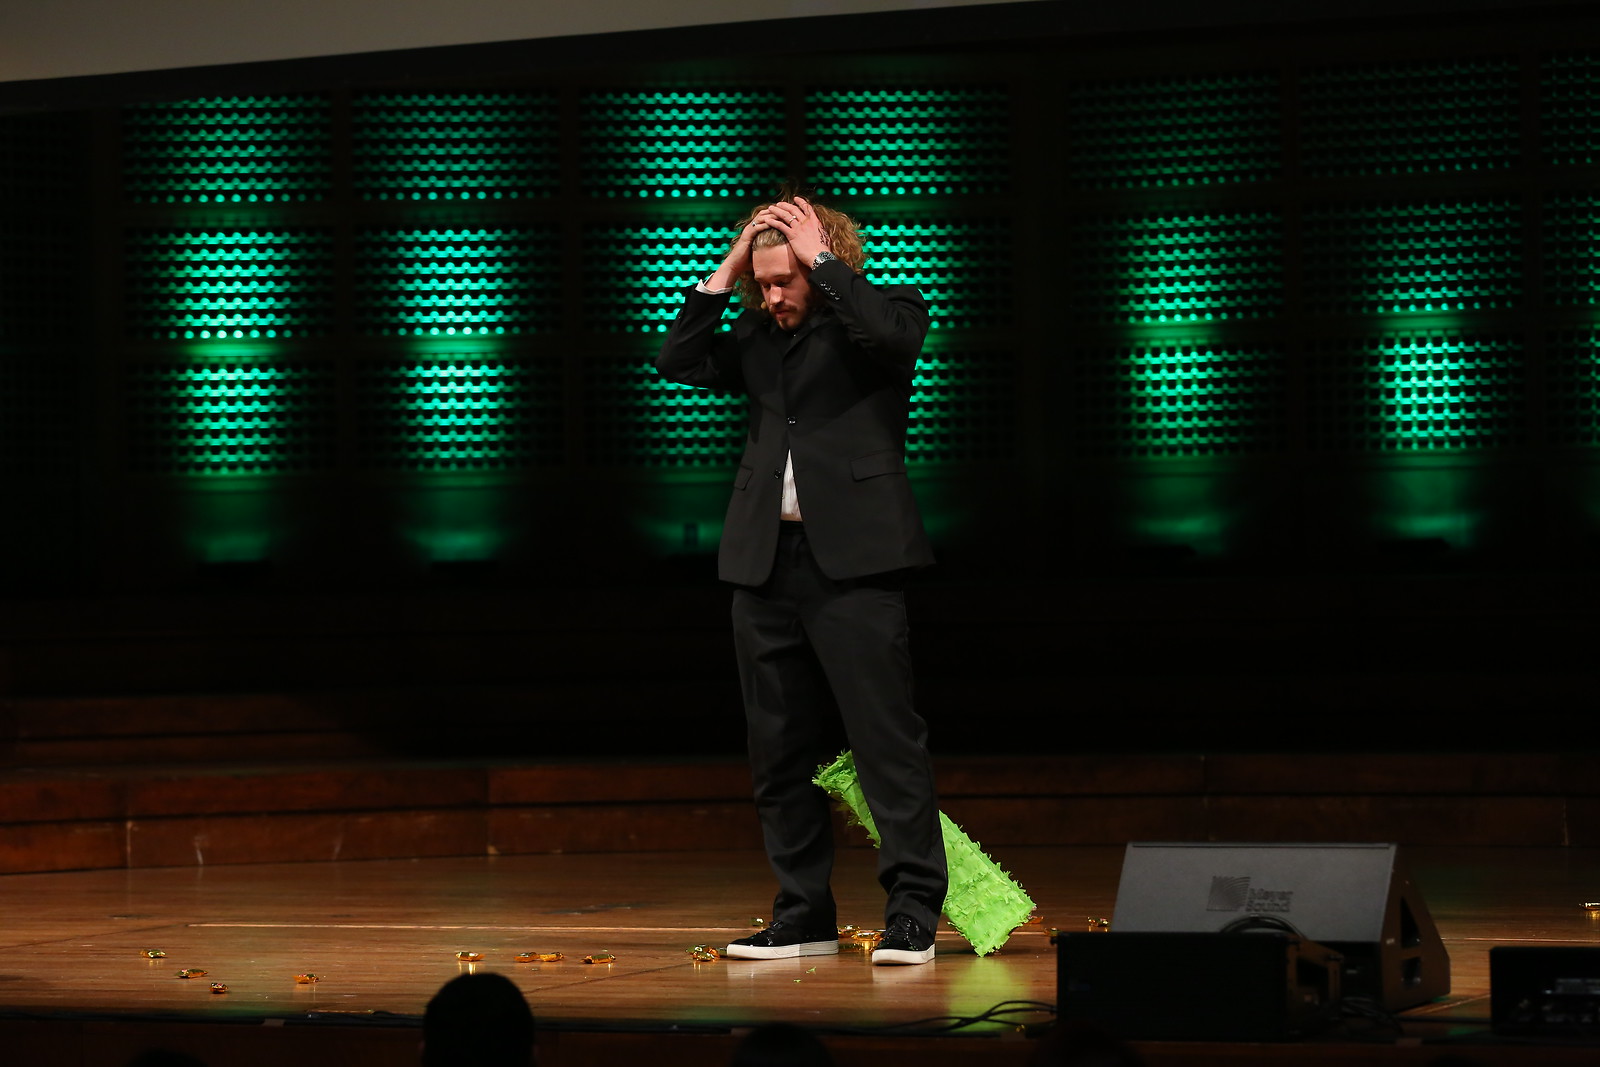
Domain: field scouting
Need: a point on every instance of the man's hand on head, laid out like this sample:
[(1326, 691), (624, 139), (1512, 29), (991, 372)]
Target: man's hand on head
[(736, 264), (798, 222)]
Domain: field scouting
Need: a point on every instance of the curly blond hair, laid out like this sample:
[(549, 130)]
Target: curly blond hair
[(839, 232)]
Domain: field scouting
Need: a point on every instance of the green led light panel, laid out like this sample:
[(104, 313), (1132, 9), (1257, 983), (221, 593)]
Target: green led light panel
[(1574, 387), (682, 143), (1163, 132), (634, 418), (1569, 99), (963, 407), (1179, 268), (455, 146), (962, 268), (488, 281), (228, 150), (1420, 392), (1571, 257), (1178, 398), (239, 417), (635, 276), (1411, 118), (918, 141), (1406, 258), (229, 284), (461, 413)]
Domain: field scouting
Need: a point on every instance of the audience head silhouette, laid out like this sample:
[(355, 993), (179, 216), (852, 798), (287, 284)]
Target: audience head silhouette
[(781, 1045), (161, 1057), (478, 1019), (1077, 1044)]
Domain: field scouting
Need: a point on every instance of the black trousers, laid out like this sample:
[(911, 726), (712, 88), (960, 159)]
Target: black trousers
[(809, 649)]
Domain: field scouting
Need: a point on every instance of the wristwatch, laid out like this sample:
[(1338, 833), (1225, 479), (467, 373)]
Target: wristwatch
[(823, 257)]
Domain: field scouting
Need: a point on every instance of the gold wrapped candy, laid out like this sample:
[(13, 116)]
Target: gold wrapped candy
[(704, 954), (600, 957), (1099, 924), (1033, 920), (539, 957), (191, 972), (870, 937), (848, 931), (218, 987), (757, 920), (307, 979), (154, 954), (470, 957)]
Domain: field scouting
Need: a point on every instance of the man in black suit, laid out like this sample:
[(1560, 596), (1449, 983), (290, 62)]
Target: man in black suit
[(820, 529)]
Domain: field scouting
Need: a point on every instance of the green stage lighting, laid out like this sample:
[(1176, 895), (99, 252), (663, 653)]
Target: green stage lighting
[(487, 281), (462, 413), (1158, 133), (1569, 85), (1449, 116), (230, 285), (914, 141), (1162, 269), (230, 417), (682, 143), (1403, 259), (228, 150), (464, 146)]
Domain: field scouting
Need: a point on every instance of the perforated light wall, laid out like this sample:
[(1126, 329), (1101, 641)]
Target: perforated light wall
[(461, 412), (458, 282), (1574, 387), (243, 415), (1179, 268), (448, 293), (1452, 116), (635, 276), (1421, 392), (682, 142), (1386, 259), (1569, 95), (636, 419), (961, 267), (929, 140), (229, 284), (1175, 131), (963, 406), (1175, 257), (465, 146), (1571, 252), (1178, 398), (228, 150)]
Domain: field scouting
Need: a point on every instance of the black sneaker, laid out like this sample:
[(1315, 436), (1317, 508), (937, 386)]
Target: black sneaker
[(781, 941), (905, 941)]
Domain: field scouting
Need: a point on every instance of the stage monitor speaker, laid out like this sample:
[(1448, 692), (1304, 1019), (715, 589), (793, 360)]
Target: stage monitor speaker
[(1545, 991), (1260, 986), (1355, 899)]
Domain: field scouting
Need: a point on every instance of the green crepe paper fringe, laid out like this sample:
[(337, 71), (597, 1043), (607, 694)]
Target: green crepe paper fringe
[(983, 904)]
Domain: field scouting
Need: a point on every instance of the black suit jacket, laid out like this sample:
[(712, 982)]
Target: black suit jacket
[(835, 394)]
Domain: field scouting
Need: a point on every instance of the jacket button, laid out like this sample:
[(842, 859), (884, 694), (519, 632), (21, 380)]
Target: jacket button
[(777, 473), (793, 420)]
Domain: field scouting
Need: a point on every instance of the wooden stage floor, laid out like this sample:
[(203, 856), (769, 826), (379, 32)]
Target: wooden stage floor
[(76, 987)]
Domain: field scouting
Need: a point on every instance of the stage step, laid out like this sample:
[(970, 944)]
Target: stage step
[(71, 818)]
